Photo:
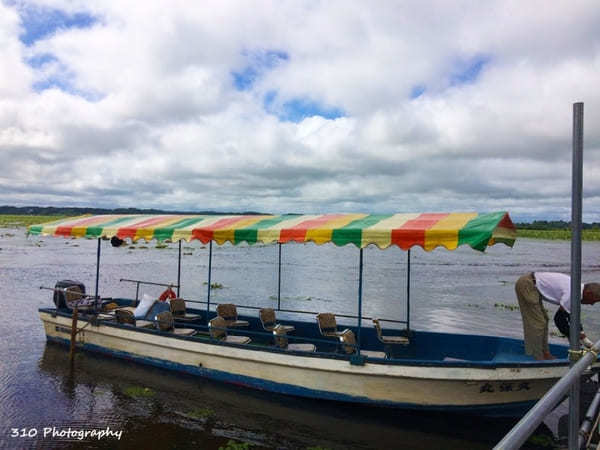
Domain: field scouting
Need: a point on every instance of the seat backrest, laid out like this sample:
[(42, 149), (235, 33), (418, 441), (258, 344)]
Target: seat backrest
[(217, 328), (124, 316), (280, 334), (267, 318), (378, 329), (177, 306), (227, 311), (327, 323), (164, 321), (349, 342)]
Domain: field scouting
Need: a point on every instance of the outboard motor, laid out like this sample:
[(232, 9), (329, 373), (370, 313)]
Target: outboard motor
[(61, 298)]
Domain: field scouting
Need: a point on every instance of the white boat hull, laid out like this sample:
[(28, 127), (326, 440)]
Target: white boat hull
[(493, 390)]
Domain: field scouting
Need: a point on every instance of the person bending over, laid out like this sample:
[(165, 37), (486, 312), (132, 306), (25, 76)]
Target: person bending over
[(551, 287)]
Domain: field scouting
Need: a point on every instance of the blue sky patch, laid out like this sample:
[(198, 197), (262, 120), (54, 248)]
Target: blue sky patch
[(298, 109), (259, 62), (39, 22), (41, 59), (468, 71), (417, 91)]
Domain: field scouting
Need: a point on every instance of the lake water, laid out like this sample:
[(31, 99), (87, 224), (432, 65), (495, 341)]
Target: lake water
[(462, 291)]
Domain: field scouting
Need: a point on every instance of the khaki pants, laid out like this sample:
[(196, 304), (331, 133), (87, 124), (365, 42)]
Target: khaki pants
[(535, 318)]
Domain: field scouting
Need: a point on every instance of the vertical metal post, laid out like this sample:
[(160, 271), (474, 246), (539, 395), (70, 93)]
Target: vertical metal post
[(209, 274), (279, 281), (137, 292), (408, 289), (179, 270), (576, 207), (98, 268), (360, 288)]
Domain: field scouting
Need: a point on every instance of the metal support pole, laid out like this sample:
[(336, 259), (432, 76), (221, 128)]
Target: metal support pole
[(209, 275), (179, 271), (576, 207), (408, 289), (527, 425), (98, 267), (279, 281), (360, 288)]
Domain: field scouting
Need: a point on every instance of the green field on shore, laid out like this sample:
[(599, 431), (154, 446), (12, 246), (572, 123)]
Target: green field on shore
[(15, 221)]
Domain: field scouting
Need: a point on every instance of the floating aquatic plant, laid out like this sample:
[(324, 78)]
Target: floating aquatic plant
[(234, 445), (505, 306), (201, 413), (139, 392)]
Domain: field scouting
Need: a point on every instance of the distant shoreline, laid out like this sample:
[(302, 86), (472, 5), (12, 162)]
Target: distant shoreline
[(24, 220)]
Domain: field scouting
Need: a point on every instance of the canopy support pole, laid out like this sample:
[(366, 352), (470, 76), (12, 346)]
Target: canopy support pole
[(576, 207), (279, 281), (360, 289), (408, 289), (209, 275), (179, 270), (98, 268)]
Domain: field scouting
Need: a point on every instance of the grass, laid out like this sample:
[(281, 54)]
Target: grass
[(13, 221), (586, 235)]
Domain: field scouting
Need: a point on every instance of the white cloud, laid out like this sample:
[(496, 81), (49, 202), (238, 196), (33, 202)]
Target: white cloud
[(142, 109)]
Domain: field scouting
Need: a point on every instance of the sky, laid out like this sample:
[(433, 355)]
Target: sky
[(299, 106)]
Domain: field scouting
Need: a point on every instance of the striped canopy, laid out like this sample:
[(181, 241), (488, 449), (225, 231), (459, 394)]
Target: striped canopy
[(427, 230)]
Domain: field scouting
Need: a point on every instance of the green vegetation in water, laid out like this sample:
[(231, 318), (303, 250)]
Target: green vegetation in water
[(505, 306), (234, 445), (213, 285), (15, 221), (541, 441), (139, 392), (201, 413), (162, 246), (473, 305), (586, 235)]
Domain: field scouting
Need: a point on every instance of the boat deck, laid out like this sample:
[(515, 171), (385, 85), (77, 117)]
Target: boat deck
[(424, 348)]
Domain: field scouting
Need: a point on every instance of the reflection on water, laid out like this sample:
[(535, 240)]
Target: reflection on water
[(450, 291)]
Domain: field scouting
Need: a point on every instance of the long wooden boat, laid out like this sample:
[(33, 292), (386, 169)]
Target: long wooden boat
[(434, 371)]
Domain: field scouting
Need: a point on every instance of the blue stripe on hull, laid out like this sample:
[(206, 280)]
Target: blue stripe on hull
[(517, 409)]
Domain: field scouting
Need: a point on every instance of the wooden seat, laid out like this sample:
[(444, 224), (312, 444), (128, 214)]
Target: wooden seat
[(228, 311), (218, 330), (125, 316), (269, 321), (328, 325), (178, 309), (393, 340), (348, 341), (165, 322), (281, 340)]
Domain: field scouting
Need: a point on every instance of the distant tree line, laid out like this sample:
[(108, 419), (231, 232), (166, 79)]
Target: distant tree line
[(77, 211), (554, 225)]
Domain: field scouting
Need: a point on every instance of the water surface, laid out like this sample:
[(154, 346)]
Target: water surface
[(463, 291)]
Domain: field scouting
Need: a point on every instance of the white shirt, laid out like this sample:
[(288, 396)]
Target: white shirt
[(555, 288)]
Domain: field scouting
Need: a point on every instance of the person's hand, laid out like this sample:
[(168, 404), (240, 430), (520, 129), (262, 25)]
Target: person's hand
[(587, 343)]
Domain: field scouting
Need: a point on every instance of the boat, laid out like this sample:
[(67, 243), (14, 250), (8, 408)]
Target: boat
[(413, 369)]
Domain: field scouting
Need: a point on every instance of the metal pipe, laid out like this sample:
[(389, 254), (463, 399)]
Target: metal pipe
[(590, 416), (527, 425), (209, 275), (576, 202), (148, 282), (179, 271), (408, 289), (98, 267), (279, 281), (360, 288)]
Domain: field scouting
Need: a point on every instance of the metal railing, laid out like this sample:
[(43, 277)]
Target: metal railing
[(527, 425)]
